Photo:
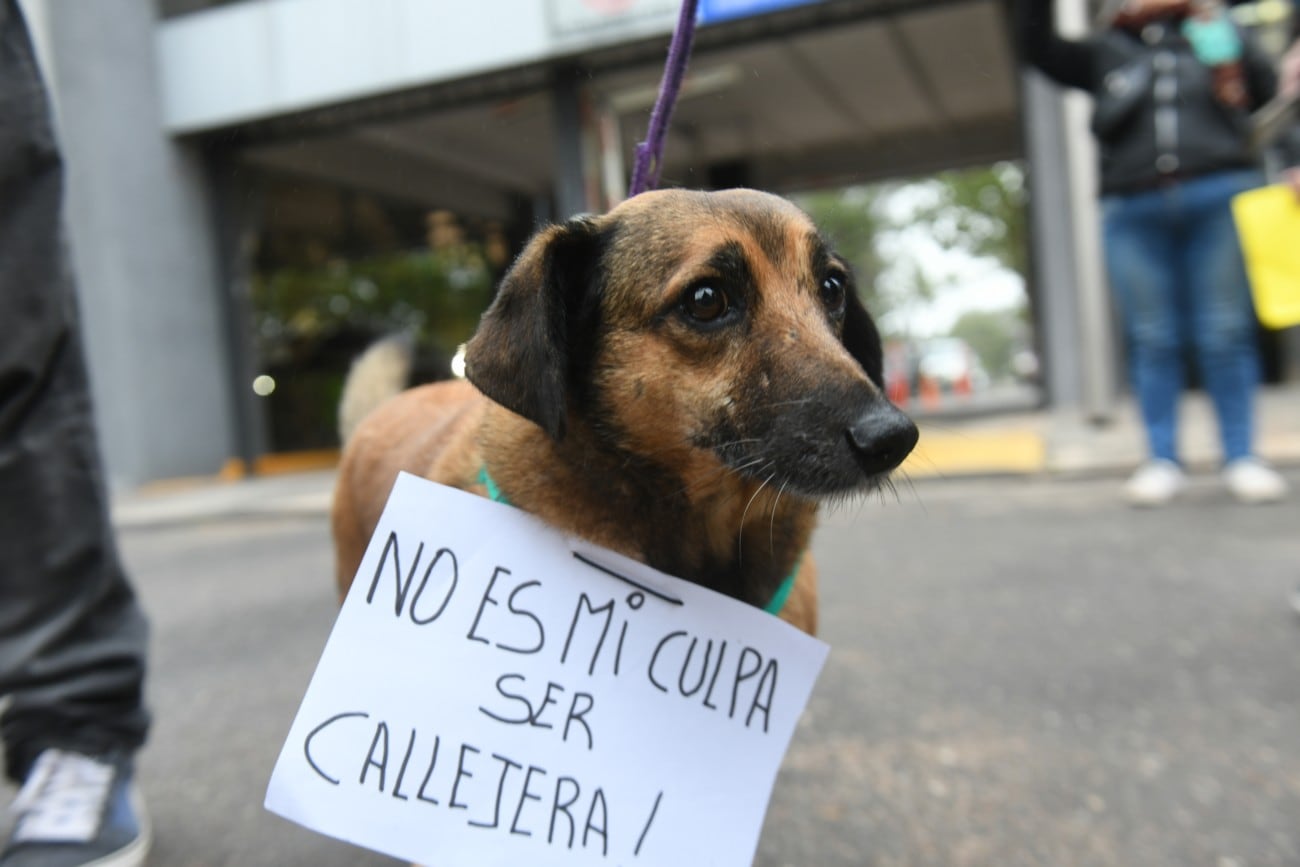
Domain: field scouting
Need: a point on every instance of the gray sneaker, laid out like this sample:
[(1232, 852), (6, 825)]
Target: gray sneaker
[(78, 811)]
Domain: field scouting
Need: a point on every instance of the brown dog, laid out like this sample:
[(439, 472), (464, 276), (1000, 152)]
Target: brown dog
[(681, 380)]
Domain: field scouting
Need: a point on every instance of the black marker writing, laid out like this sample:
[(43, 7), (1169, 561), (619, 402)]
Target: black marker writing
[(381, 738), (526, 714), (515, 608), (306, 743), (461, 774), (401, 773), (626, 580), (525, 794), (428, 774), (558, 807), (584, 601), (654, 657), (598, 805), (506, 765), (668, 658), (704, 668), (713, 681), (403, 586), (515, 802), (650, 820)]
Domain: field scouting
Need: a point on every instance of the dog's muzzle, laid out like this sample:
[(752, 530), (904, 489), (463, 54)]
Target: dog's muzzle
[(881, 437)]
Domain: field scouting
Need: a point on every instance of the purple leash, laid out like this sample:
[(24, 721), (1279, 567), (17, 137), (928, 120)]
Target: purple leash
[(649, 153)]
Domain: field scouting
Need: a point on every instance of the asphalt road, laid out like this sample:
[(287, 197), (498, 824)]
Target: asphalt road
[(1023, 672)]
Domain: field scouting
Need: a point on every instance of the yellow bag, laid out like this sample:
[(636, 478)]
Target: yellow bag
[(1268, 223)]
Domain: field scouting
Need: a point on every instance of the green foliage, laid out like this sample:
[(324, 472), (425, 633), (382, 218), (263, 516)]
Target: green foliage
[(437, 296), (993, 335), (981, 211)]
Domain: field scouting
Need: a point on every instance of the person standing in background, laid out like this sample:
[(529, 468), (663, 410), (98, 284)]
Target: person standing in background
[(72, 635), (1173, 82)]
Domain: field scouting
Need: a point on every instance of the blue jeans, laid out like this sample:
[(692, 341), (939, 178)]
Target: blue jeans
[(1176, 269)]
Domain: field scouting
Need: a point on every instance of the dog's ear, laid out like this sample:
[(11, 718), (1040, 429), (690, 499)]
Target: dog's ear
[(524, 351), (862, 340)]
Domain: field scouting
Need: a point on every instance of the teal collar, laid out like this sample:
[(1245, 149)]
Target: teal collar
[(777, 602), (774, 605), (494, 493)]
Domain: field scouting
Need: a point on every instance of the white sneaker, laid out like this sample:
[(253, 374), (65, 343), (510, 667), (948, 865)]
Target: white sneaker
[(1155, 483), (1252, 481)]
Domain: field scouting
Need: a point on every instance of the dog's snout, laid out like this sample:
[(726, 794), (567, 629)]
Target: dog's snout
[(882, 437)]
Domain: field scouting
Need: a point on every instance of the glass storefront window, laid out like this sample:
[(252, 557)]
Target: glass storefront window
[(336, 270)]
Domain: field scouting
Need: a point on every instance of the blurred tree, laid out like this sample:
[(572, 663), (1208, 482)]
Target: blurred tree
[(434, 295), (980, 211), (992, 334), (850, 218)]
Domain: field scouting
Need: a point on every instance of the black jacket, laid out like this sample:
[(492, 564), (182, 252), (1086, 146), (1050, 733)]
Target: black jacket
[(1155, 115)]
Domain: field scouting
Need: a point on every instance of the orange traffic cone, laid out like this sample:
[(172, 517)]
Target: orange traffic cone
[(929, 392)]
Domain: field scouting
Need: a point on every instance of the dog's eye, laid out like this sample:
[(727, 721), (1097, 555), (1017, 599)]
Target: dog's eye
[(705, 303), (832, 292)]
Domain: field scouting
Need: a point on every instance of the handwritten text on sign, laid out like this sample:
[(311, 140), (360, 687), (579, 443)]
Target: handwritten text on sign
[(494, 692)]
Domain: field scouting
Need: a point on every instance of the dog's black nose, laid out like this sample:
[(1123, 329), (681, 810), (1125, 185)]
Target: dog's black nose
[(882, 436)]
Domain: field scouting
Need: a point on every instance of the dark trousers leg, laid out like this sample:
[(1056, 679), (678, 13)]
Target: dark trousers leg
[(72, 637)]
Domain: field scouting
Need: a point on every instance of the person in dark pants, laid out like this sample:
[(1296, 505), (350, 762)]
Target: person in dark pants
[(1173, 85), (72, 636)]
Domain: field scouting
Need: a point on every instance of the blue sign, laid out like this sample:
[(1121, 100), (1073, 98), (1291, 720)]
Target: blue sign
[(725, 10)]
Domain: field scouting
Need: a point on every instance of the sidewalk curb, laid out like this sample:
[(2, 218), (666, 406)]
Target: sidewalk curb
[(291, 495)]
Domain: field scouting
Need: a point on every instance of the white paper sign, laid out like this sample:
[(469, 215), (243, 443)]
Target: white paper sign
[(495, 693)]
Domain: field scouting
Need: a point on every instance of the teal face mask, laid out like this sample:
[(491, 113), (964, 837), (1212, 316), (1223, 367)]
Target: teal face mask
[(1214, 41)]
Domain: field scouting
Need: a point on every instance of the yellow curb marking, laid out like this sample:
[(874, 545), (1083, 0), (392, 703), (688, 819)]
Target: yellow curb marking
[(280, 463), (953, 454)]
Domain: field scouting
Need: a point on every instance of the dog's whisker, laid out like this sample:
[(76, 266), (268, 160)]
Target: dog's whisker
[(736, 442), (720, 472), (911, 486), (921, 457), (740, 532), (771, 526)]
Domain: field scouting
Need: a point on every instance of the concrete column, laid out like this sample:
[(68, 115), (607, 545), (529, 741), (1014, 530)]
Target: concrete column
[(1076, 325), (571, 195), (143, 248), (589, 168), (1055, 274), (1096, 321)]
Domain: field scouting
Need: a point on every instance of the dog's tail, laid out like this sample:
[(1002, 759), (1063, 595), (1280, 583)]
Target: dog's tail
[(379, 373)]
